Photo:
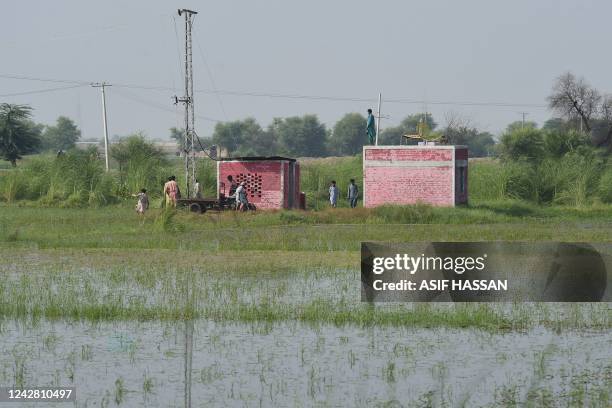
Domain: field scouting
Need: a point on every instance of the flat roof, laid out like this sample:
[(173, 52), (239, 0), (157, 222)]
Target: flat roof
[(434, 146), (257, 158)]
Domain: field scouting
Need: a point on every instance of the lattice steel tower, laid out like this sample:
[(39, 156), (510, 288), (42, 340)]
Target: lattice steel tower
[(189, 150)]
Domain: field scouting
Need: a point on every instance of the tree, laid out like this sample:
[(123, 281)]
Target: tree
[(391, 136), (348, 135), (141, 163), (479, 144), (602, 126), (244, 138), (411, 122), (254, 140), (301, 136), (573, 97), (525, 143), (62, 136), (556, 125), (460, 130), (409, 125), (559, 142), (519, 124), (179, 136), (134, 149), (18, 135)]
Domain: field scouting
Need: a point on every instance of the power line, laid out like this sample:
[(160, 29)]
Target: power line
[(29, 78), (128, 95), (212, 81), (76, 35), (39, 91), (396, 100)]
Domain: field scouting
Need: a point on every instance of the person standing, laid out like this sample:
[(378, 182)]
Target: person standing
[(171, 190), (353, 193), (143, 201), (333, 194), (233, 186), (197, 189), (371, 128), (242, 204)]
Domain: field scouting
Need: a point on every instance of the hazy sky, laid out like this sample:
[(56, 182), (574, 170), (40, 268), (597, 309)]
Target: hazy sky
[(435, 51)]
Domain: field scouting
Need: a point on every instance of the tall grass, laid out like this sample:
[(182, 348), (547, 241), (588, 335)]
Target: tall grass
[(78, 179), (74, 179), (317, 174), (140, 165)]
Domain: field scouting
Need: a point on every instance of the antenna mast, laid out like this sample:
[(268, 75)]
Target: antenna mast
[(187, 101)]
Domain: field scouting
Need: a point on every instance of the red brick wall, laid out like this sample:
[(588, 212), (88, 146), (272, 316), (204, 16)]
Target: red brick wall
[(285, 184), (263, 180), (416, 154), (398, 175)]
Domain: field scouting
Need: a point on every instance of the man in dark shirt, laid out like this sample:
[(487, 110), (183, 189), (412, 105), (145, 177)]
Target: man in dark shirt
[(353, 193)]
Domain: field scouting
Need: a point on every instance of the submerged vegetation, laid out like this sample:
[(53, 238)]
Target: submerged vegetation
[(269, 267), (101, 285)]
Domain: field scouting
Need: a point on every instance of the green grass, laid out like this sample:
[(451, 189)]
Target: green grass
[(108, 285), (77, 180), (327, 230), (109, 264)]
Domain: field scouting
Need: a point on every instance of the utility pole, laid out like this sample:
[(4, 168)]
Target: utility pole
[(102, 86), (378, 118), (523, 122), (187, 101)]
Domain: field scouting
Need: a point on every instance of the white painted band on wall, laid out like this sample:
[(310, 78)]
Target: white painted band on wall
[(403, 163)]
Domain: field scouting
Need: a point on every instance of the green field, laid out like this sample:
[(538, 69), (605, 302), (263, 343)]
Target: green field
[(144, 259), (272, 301)]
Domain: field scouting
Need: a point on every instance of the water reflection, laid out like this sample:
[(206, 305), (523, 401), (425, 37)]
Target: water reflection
[(188, 360), (204, 363)]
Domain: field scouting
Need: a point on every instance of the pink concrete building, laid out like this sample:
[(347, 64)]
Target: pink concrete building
[(432, 174), (271, 182)]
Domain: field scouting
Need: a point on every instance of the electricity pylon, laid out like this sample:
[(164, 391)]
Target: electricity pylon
[(189, 150)]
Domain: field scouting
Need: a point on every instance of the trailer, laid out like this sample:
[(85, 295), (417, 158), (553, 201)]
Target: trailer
[(201, 205)]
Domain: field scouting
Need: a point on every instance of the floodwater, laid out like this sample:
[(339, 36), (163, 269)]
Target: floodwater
[(143, 364)]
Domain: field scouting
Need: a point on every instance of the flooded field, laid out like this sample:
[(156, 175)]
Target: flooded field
[(135, 316), (293, 364), (133, 329)]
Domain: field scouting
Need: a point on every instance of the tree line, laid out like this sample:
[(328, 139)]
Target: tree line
[(578, 107), (306, 136), (20, 135)]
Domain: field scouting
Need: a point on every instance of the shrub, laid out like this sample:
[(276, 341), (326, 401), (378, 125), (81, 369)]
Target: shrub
[(558, 143), (406, 214), (165, 221), (141, 165), (73, 179), (486, 180), (605, 186), (14, 186), (576, 178), (519, 180), (291, 217), (523, 144)]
